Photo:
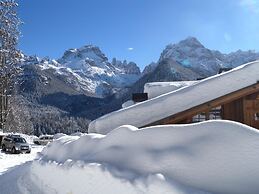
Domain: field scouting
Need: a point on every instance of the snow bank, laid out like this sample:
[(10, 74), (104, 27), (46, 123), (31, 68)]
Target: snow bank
[(214, 156), (179, 100), (59, 135), (79, 178), (155, 89)]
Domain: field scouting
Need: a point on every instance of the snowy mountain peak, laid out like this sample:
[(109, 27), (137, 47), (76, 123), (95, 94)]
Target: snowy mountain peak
[(88, 55), (191, 42), (129, 68), (191, 54), (87, 70)]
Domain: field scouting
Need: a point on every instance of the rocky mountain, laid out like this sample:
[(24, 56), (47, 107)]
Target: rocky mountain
[(64, 95), (189, 60), (165, 70), (128, 68), (93, 72), (149, 68), (87, 71), (190, 53)]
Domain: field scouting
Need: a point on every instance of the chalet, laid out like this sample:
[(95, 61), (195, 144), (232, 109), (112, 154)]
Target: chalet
[(231, 95)]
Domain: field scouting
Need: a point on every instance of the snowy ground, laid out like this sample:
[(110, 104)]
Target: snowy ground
[(9, 161), (219, 157)]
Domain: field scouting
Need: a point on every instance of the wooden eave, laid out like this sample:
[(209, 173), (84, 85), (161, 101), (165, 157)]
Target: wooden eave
[(175, 118)]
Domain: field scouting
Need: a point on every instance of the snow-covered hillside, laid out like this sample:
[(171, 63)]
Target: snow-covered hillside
[(88, 70), (209, 157), (91, 65)]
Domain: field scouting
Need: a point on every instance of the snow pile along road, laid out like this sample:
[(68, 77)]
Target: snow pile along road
[(213, 157)]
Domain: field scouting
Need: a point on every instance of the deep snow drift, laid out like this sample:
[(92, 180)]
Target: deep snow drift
[(213, 157), (179, 100)]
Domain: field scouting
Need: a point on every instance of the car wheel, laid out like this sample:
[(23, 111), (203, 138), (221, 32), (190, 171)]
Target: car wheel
[(3, 148), (13, 150)]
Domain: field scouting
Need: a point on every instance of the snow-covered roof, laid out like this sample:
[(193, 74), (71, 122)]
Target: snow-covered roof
[(179, 100), (155, 89)]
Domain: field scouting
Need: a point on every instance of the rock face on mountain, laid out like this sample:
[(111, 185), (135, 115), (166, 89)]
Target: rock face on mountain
[(165, 70), (191, 54), (129, 68), (149, 68)]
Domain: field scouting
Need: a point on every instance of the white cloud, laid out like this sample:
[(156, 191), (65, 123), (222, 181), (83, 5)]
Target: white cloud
[(227, 37), (130, 49), (251, 5)]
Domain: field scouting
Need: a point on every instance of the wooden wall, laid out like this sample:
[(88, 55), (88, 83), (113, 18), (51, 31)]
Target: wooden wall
[(251, 107), (233, 111), (243, 110)]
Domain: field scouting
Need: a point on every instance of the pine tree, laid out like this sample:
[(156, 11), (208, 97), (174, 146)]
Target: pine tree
[(9, 55)]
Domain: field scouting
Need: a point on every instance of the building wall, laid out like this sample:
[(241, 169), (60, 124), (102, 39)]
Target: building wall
[(244, 110), (251, 112), (234, 111)]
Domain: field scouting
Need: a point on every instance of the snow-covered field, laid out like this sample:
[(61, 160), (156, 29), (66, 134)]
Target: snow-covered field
[(211, 157)]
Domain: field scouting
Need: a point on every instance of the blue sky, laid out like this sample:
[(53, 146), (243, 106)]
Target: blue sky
[(136, 30)]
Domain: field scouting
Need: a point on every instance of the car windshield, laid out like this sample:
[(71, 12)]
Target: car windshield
[(19, 140)]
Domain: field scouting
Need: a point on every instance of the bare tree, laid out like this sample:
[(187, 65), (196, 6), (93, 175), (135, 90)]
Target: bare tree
[(9, 55)]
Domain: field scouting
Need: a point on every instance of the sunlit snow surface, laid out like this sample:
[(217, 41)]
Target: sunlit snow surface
[(210, 157)]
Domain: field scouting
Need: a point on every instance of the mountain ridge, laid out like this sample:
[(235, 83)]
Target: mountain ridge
[(83, 84)]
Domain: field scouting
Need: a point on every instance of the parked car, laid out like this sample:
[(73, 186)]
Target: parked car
[(15, 144), (43, 139)]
